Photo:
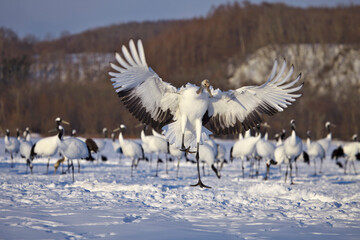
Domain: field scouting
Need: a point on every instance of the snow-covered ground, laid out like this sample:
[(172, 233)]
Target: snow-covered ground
[(106, 202)]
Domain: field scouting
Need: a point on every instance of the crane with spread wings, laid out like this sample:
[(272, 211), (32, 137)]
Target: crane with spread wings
[(183, 112)]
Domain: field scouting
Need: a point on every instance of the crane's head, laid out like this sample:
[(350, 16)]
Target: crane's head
[(121, 128), (277, 136), (205, 84), (59, 120), (73, 133), (354, 137), (283, 133), (292, 122), (105, 132), (7, 132), (328, 125), (308, 133)]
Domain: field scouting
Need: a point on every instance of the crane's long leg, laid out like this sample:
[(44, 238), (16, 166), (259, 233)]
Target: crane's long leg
[(151, 157), (242, 167), (157, 168), (78, 165), (251, 171), (183, 121), (166, 159), (286, 172), (47, 166), (31, 166), (132, 166), (267, 171), (183, 142), (291, 175), (258, 167), (199, 183), (315, 166), (27, 165), (72, 168), (346, 161), (12, 160), (321, 164), (178, 167), (353, 163), (157, 164)]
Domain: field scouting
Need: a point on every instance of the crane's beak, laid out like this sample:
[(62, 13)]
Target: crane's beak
[(116, 130), (52, 130), (209, 91), (66, 122), (333, 125)]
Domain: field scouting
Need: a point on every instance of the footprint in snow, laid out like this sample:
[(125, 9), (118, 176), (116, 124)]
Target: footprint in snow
[(129, 219)]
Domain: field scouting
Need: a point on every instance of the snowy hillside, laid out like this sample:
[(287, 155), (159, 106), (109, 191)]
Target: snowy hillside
[(324, 67), (106, 202)]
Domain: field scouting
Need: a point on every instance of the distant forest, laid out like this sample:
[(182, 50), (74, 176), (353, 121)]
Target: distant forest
[(179, 51)]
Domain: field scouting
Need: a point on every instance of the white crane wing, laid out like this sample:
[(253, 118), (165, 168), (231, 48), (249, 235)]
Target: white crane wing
[(229, 111), (142, 91)]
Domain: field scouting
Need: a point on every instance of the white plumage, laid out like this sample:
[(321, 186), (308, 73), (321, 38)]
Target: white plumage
[(155, 145), (130, 148), (352, 153), (101, 143), (25, 149), (173, 150), (27, 135), (265, 150), (12, 146), (116, 144), (315, 151), (45, 147), (279, 152), (326, 142), (71, 148), (157, 103), (244, 148), (221, 154), (293, 149)]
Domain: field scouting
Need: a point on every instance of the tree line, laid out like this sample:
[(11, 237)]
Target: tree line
[(179, 51)]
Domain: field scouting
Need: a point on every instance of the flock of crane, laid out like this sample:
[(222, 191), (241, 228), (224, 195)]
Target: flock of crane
[(182, 114), (255, 150)]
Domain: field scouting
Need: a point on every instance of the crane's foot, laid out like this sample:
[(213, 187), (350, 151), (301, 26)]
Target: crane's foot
[(200, 184)]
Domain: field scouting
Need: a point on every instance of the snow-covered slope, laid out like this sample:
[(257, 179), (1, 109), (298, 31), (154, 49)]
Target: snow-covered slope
[(106, 202), (324, 67)]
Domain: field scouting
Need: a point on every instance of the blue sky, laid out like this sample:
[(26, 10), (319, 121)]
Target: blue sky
[(43, 17)]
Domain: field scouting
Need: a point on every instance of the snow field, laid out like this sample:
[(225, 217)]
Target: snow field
[(106, 202)]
